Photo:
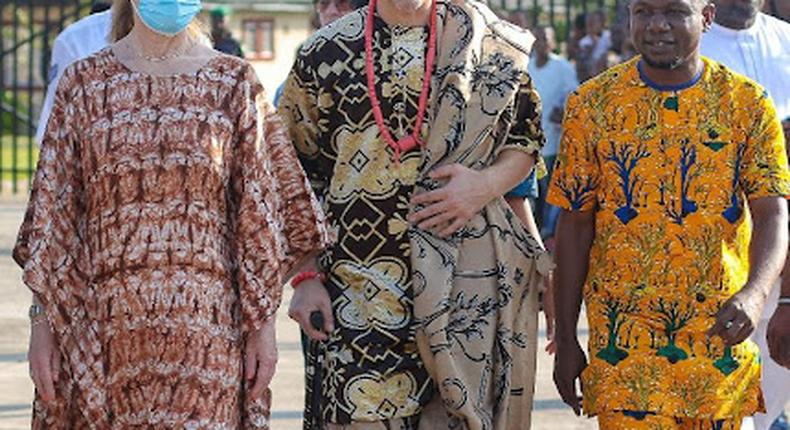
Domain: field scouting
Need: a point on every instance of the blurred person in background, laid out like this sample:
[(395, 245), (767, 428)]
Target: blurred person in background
[(572, 47), (77, 41), (576, 35), (595, 45), (619, 28), (221, 36), (167, 209), (520, 18), (622, 48), (554, 78)]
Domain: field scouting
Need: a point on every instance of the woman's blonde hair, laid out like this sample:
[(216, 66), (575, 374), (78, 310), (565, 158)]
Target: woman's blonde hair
[(123, 21)]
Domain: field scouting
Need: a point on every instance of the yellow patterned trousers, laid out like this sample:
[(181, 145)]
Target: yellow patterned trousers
[(630, 420)]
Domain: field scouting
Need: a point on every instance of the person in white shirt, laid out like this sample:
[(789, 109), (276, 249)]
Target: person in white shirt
[(596, 44), (554, 78), (778, 8), (754, 44), (758, 46), (77, 41)]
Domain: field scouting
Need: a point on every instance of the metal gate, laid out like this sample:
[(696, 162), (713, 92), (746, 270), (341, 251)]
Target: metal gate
[(27, 31)]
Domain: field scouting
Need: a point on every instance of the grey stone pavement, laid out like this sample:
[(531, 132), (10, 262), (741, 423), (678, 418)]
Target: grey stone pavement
[(16, 388)]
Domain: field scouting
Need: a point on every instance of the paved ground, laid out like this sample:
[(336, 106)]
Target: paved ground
[(16, 388)]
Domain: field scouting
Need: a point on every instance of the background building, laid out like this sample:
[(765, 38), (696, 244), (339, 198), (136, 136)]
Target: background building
[(270, 32)]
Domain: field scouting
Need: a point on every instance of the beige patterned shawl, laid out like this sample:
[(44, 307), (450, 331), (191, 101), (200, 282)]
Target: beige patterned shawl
[(476, 293)]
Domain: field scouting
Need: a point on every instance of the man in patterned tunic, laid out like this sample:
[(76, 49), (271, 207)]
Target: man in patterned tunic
[(430, 292), (671, 174)]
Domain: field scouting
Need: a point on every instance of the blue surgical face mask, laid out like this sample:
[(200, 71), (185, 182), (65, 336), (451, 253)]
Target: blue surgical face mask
[(168, 17)]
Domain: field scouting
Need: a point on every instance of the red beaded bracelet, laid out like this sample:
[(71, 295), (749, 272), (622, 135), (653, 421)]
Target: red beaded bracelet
[(310, 274)]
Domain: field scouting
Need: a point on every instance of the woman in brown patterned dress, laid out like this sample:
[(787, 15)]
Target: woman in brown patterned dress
[(166, 211)]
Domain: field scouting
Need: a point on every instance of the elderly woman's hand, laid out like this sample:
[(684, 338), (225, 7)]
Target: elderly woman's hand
[(260, 359), (44, 358)]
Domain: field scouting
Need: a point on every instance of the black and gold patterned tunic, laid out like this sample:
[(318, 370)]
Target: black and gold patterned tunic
[(372, 369)]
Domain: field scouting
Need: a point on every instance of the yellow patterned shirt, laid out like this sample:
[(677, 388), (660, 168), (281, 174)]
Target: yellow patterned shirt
[(668, 172)]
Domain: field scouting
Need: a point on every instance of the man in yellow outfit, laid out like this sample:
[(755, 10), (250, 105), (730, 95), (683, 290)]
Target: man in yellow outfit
[(671, 175)]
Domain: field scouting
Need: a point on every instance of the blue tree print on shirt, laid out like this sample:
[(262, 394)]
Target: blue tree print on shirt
[(688, 157), (625, 159), (733, 212), (578, 191), (688, 169)]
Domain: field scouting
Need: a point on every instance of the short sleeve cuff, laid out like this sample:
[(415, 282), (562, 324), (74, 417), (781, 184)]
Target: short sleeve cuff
[(576, 194), (533, 149)]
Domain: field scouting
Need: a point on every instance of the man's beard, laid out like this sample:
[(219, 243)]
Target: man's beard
[(407, 5), (664, 65)]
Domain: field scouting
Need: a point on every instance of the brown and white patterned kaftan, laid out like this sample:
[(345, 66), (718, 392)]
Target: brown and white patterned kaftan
[(164, 214)]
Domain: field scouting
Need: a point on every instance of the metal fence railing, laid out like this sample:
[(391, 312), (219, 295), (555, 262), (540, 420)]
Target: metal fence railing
[(27, 31), (559, 14)]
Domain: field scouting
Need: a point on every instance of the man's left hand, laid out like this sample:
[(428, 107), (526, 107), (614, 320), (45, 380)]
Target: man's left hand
[(738, 317), (778, 336), (466, 193)]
